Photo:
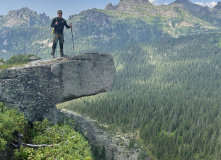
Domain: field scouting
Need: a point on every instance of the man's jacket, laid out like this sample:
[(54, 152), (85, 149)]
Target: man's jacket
[(61, 23)]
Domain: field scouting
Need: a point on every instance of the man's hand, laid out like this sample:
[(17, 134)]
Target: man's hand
[(56, 23)]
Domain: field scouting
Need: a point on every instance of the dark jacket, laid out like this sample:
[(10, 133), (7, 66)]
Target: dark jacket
[(61, 23)]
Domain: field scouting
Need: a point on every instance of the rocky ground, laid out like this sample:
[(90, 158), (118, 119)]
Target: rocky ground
[(116, 143)]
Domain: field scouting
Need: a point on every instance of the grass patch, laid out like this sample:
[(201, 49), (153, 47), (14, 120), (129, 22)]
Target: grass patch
[(15, 61)]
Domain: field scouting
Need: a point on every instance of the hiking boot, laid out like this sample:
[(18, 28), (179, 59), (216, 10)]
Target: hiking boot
[(63, 55), (52, 57)]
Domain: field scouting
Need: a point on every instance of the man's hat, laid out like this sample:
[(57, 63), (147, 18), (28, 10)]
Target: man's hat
[(59, 11)]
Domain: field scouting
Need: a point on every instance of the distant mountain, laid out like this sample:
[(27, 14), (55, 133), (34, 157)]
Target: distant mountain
[(24, 17), (188, 5), (180, 17)]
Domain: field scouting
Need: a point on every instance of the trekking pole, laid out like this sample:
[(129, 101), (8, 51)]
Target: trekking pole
[(56, 45), (72, 39)]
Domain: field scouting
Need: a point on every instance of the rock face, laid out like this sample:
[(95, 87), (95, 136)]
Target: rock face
[(109, 6), (218, 6), (116, 144), (36, 88), (124, 5)]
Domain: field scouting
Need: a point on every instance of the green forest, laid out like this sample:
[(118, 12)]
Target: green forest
[(168, 91)]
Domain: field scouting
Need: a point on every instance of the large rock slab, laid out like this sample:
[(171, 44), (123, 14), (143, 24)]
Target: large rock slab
[(37, 87)]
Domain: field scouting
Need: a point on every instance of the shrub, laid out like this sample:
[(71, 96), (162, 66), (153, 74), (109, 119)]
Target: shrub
[(10, 120), (67, 143)]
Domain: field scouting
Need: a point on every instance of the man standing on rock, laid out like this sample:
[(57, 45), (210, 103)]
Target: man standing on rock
[(58, 24)]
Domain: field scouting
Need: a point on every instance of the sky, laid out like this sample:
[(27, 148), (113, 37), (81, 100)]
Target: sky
[(71, 7)]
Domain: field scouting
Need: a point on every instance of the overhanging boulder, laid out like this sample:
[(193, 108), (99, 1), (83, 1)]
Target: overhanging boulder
[(37, 87)]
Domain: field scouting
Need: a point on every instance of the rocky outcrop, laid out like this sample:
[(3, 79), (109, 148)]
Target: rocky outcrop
[(109, 6), (218, 6), (138, 1), (204, 11), (37, 87), (116, 144), (125, 5), (188, 5)]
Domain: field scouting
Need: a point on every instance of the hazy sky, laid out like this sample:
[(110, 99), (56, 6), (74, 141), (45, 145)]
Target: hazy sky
[(71, 7)]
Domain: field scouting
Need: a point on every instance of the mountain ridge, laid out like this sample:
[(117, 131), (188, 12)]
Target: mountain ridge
[(135, 8), (24, 17)]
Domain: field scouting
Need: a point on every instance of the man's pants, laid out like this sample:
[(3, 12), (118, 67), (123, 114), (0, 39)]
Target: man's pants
[(58, 37)]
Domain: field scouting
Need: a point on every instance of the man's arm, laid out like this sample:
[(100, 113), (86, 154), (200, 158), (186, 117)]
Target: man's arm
[(67, 26), (53, 22)]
